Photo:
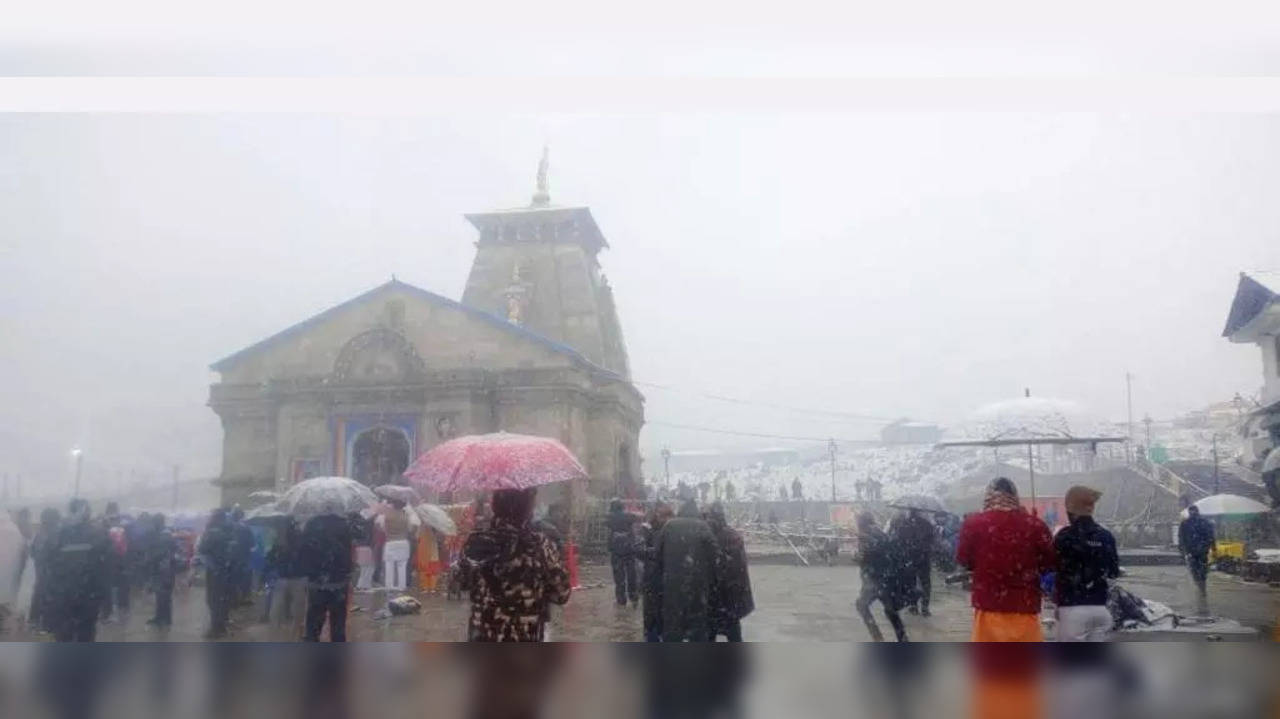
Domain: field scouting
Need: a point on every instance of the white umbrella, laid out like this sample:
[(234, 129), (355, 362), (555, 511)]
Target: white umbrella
[(264, 513), (264, 495), (1272, 462), (12, 557), (400, 492), (435, 517), (1221, 505), (326, 495)]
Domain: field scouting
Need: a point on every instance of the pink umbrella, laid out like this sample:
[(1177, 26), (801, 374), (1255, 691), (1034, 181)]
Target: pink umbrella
[(489, 462)]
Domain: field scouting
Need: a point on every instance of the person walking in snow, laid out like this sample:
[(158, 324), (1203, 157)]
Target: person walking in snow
[(622, 554), (1087, 558), (1006, 549), (687, 554), (77, 582), (651, 579), (1195, 540), (731, 598), (883, 569), (915, 534)]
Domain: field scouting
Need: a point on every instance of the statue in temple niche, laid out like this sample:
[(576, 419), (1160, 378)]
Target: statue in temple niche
[(445, 428), (517, 296)]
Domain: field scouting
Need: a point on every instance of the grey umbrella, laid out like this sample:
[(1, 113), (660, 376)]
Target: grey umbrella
[(326, 495)]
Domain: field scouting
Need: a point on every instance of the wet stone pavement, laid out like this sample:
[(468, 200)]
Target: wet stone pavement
[(793, 603)]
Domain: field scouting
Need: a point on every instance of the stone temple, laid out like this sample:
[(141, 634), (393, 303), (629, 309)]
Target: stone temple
[(359, 390)]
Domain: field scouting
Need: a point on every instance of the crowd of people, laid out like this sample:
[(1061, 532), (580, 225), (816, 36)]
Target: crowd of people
[(87, 569), (686, 566)]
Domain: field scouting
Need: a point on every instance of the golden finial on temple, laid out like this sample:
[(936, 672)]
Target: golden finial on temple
[(542, 196)]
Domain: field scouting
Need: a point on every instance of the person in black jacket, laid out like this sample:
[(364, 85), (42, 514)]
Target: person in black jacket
[(688, 563), (883, 577), (651, 581), (731, 598), (1195, 539), (77, 581), (217, 548), (915, 535), (1087, 558), (46, 537), (325, 559), (622, 554), (241, 559), (160, 567), (287, 598)]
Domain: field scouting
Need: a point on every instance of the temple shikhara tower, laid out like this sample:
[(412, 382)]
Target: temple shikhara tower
[(359, 390)]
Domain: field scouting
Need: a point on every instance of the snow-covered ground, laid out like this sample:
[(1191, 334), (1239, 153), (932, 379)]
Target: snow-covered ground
[(922, 469), (901, 470)]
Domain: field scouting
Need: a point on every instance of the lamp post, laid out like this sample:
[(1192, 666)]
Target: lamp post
[(1217, 479), (79, 455), (666, 464), (831, 448)]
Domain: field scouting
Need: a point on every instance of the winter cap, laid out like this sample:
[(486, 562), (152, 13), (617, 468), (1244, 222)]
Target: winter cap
[(1003, 485), (1080, 500)]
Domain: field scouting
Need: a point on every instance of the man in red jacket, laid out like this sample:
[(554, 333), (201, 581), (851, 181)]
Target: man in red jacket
[(1006, 549)]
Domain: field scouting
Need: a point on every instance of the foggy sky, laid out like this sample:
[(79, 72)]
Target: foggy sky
[(886, 263)]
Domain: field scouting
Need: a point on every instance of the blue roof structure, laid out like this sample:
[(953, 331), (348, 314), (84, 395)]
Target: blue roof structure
[(479, 314), (1252, 297)]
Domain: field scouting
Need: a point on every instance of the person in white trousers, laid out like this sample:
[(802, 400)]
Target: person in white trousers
[(395, 554), (1087, 559)]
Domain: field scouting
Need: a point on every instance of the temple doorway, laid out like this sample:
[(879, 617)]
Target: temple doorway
[(379, 456)]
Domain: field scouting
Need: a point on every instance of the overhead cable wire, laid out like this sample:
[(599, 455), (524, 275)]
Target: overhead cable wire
[(769, 405), (761, 435)]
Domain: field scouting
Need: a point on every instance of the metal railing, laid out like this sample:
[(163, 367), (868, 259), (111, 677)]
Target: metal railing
[(1166, 478)]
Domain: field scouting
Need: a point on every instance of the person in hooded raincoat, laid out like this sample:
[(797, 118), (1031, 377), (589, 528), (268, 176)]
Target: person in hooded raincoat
[(731, 598), (651, 581), (77, 582), (687, 560), (1007, 549), (512, 572), (884, 577)]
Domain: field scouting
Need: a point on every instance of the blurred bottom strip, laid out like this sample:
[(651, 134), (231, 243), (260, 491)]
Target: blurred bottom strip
[(636, 680)]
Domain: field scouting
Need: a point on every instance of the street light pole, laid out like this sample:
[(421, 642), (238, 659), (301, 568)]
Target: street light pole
[(666, 463), (1128, 384), (175, 486), (831, 447), (1031, 470), (1217, 480), (79, 455)]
